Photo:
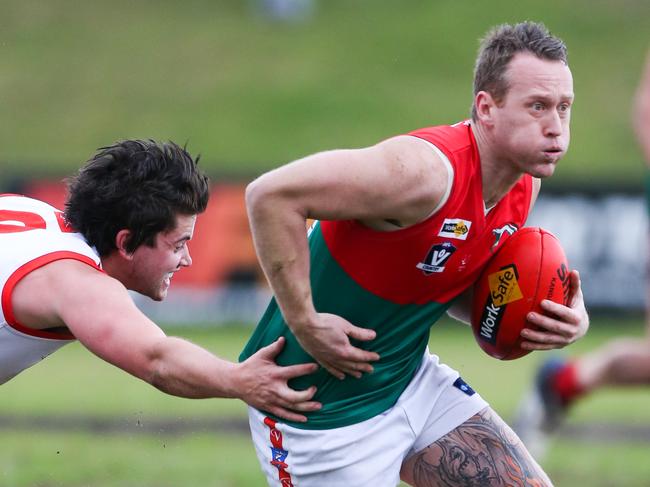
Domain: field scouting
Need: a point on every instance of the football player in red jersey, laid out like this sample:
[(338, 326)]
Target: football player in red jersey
[(129, 215), (404, 228), (559, 383)]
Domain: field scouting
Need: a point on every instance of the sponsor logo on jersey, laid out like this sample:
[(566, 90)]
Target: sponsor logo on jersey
[(504, 289), (508, 228), (455, 228), (436, 258)]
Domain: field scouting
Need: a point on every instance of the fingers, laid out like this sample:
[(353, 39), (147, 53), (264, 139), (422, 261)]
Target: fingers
[(284, 413), (346, 367), (557, 325), (299, 400), (338, 373), (293, 371), (363, 334), (356, 366), (354, 354), (553, 310), (282, 401), (537, 346), (351, 361), (547, 329), (537, 340)]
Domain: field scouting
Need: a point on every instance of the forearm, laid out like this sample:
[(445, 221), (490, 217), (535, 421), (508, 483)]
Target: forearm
[(278, 227), (461, 309), (183, 369)]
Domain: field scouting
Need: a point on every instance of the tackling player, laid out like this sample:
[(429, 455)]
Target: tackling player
[(130, 212)]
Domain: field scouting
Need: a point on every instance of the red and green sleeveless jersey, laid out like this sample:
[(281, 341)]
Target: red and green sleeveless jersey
[(397, 283)]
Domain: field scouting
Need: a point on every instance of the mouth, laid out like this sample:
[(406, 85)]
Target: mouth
[(553, 153)]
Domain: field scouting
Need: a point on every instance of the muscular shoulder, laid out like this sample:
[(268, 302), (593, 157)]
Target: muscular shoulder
[(422, 178), (38, 298)]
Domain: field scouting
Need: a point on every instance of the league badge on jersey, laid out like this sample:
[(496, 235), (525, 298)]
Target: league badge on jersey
[(455, 228), (436, 258)]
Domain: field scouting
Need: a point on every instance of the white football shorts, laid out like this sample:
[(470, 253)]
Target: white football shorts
[(369, 453)]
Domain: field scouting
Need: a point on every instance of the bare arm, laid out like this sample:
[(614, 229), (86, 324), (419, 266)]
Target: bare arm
[(461, 310), (98, 310), (399, 179)]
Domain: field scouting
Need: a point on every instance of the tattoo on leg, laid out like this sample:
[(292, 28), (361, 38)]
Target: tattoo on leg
[(483, 451)]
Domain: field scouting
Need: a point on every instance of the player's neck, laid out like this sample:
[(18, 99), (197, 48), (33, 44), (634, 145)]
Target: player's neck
[(115, 266), (498, 175)]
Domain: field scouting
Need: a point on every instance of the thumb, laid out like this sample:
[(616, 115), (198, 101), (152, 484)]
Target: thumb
[(272, 350), (364, 334)]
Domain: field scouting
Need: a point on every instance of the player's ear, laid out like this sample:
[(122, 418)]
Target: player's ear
[(121, 243), (485, 106)]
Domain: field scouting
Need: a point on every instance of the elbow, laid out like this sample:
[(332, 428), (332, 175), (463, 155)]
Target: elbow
[(155, 368), (268, 195), (257, 192)]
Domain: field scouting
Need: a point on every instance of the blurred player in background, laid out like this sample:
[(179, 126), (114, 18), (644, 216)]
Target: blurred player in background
[(404, 228), (622, 362), (129, 215)]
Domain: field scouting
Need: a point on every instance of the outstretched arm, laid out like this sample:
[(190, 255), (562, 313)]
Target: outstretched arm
[(400, 179), (98, 310)]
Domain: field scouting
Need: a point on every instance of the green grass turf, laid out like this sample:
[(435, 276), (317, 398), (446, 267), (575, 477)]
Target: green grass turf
[(80, 459), (250, 94), (73, 382)]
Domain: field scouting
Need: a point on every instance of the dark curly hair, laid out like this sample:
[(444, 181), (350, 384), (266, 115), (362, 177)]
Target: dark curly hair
[(138, 185), (500, 45)]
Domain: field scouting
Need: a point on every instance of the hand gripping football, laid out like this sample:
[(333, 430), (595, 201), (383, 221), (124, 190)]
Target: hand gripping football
[(530, 266)]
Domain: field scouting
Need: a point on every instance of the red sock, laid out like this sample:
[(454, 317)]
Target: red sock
[(565, 383)]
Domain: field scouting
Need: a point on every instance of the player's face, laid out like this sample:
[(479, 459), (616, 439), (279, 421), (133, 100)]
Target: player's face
[(532, 121), (154, 267)]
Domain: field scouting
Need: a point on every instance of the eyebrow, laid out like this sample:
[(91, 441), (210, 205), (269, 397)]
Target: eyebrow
[(546, 96), (184, 238)]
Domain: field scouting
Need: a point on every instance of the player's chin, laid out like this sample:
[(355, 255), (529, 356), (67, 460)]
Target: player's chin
[(163, 293), (543, 170), (160, 293)]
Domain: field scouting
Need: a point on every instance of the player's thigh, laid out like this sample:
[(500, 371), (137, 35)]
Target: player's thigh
[(482, 451)]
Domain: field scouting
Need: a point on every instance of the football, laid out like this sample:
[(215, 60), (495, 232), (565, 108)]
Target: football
[(530, 266)]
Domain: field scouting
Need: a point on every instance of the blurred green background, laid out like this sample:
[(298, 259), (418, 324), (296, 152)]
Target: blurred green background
[(250, 93)]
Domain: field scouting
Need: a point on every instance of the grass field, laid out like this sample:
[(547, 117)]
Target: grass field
[(72, 384)]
